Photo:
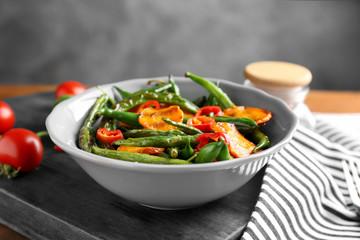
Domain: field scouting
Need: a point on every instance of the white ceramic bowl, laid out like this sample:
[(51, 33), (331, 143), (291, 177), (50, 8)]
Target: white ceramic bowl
[(170, 186)]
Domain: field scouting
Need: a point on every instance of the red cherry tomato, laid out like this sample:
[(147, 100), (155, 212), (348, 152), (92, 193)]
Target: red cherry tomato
[(69, 88), (7, 117), (21, 148)]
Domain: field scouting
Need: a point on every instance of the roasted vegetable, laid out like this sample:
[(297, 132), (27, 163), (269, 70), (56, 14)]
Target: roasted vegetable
[(136, 157), (156, 125), (239, 145), (129, 118), (222, 98), (157, 141), (165, 97), (261, 139), (159, 88), (138, 133), (153, 119), (182, 126), (259, 115), (87, 135)]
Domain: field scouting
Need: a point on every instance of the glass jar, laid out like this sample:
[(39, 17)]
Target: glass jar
[(287, 81)]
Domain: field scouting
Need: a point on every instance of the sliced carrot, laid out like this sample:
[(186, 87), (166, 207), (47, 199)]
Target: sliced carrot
[(259, 115), (145, 150), (152, 118), (239, 145)]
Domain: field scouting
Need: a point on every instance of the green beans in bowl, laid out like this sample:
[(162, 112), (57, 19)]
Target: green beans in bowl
[(175, 144)]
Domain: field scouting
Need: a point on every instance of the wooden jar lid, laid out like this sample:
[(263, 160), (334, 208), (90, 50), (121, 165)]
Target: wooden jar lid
[(278, 74)]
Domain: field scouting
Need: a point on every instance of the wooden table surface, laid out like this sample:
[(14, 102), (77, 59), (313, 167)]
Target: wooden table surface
[(317, 100)]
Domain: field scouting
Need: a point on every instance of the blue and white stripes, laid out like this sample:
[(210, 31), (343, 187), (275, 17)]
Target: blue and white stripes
[(304, 193)]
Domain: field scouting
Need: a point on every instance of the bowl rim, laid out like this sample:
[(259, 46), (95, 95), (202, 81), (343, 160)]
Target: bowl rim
[(73, 150)]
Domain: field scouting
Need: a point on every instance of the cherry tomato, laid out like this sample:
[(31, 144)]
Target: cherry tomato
[(7, 117), (21, 148), (69, 88)]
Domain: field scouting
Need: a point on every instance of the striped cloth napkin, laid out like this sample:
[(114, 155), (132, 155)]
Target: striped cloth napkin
[(304, 193)]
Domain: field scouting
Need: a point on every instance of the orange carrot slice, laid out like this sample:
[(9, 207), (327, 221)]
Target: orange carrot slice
[(152, 118), (239, 145), (259, 115)]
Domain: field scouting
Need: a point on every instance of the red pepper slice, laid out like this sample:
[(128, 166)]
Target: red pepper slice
[(107, 136), (202, 123), (204, 138), (210, 109)]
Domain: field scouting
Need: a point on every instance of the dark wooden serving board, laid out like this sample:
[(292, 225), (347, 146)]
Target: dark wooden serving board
[(60, 201)]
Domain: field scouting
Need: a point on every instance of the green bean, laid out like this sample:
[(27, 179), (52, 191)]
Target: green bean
[(108, 123), (136, 133), (136, 157), (245, 125), (211, 100), (157, 89), (183, 127), (164, 97), (157, 141), (261, 139), (242, 124), (129, 118), (173, 152), (87, 135), (124, 94), (174, 88), (192, 157), (222, 98), (111, 101), (163, 154)]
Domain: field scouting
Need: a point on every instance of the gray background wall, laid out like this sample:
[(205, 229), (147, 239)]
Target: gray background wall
[(102, 41)]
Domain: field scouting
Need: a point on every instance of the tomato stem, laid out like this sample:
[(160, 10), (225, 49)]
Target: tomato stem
[(42, 134), (9, 170)]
